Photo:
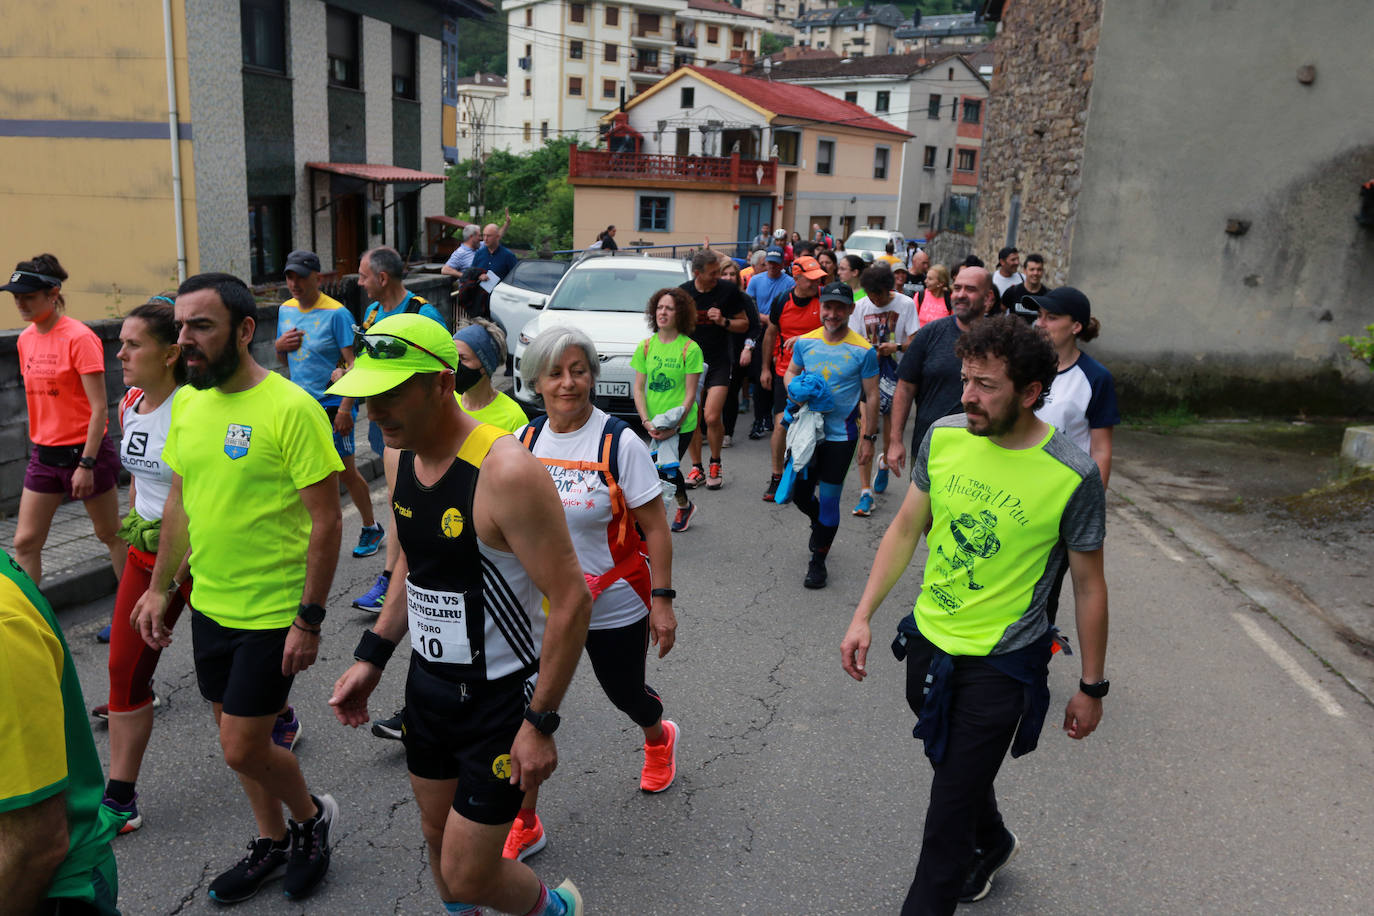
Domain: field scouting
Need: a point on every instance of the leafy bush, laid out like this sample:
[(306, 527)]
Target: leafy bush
[(534, 186), (1362, 348)]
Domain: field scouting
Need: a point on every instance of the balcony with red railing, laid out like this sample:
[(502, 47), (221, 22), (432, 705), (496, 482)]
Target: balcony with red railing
[(722, 173)]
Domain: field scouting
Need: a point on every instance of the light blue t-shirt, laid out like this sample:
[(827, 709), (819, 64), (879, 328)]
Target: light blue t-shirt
[(328, 328), (374, 313), (765, 290), (844, 366)]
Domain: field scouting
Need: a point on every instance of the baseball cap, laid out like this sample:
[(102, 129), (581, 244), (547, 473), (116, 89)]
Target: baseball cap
[(837, 292), (774, 254), (393, 350), (28, 281), (1010, 249), (809, 267), (779, 233), (302, 262), (1064, 300)]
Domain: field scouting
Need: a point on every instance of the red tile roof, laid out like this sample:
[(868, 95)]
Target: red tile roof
[(798, 101), (382, 174), (722, 6)]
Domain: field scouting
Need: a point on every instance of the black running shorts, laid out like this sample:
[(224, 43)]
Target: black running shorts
[(240, 669), (464, 731), (717, 376)]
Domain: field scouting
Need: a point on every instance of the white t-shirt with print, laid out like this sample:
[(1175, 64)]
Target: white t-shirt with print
[(587, 506), (140, 451), (895, 321)]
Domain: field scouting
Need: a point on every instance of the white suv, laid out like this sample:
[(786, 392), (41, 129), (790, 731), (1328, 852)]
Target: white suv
[(605, 297), (874, 241)]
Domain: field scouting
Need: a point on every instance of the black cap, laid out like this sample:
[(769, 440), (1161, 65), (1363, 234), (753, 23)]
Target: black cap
[(28, 281), (1010, 249), (302, 262), (837, 292), (1064, 300)]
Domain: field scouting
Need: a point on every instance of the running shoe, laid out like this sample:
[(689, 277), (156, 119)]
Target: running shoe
[(372, 600), (104, 634), (265, 860), (129, 811), (390, 728), (695, 477), (309, 859), (986, 864), (102, 712), (880, 480), (683, 517), (728, 441), (370, 540), (815, 572), (571, 897), (286, 731), (713, 479), (865, 506), (772, 490), (758, 430), (660, 761), (523, 842)]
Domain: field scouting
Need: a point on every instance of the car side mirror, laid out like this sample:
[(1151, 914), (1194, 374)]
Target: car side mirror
[(538, 302)]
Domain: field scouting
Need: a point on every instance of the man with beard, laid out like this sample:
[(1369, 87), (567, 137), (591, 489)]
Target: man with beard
[(929, 370), (1033, 285), (1007, 500), (497, 610), (255, 496), (792, 314)]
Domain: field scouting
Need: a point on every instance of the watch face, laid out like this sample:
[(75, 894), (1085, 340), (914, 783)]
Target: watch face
[(312, 614)]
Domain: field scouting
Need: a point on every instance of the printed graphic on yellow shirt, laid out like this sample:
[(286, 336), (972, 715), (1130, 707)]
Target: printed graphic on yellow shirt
[(973, 541), (500, 767), (452, 523)]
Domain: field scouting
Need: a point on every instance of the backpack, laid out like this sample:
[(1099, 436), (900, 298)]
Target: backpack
[(413, 306)]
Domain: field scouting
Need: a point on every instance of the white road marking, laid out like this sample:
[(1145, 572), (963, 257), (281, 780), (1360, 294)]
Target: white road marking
[(1290, 666), (1148, 533)]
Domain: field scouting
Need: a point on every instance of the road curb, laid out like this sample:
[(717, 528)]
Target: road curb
[(1330, 640)]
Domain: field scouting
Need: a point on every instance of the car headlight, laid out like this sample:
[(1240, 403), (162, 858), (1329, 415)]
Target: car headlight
[(526, 339)]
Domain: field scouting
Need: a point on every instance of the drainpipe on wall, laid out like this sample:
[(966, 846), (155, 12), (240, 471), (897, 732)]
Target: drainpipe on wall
[(178, 205)]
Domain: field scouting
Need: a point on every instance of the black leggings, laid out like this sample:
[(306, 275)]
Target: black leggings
[(828, 466), (729, 414), (618, 661)]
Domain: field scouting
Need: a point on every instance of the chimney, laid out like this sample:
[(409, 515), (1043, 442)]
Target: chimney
[(746, 62)]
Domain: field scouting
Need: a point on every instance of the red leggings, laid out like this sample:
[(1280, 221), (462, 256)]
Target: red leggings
[(132, 661)]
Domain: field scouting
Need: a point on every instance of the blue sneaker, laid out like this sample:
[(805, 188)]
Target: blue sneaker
[(133, 820), (880, 480), (571, 897), (372, 600), (104, 634), (286, 731), (370, 540), (865, 506)]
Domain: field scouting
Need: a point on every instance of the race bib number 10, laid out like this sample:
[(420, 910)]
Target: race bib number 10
[(438, 625)]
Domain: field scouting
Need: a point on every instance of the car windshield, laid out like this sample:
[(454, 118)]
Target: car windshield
[(624, 289), (537, 275), (866, 242)]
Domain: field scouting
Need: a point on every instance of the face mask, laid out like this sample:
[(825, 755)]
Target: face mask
[(464, 377)]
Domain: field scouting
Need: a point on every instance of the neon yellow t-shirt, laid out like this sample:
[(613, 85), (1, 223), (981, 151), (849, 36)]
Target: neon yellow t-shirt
[(503, 412), (243, 458), (666, 366), (45, 740)]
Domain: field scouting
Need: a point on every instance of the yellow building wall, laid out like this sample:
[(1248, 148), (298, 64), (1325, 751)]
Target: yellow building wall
[(697, 216), (103, 206), (853, 169)]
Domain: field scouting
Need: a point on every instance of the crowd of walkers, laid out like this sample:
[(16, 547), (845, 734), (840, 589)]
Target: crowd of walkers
[(234, 522)]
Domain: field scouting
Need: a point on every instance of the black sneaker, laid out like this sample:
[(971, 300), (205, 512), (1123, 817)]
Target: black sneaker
[(264, 861), (758, 430), (815, 572), (389, 728), (309, 859), (772, 490), (986, 864)]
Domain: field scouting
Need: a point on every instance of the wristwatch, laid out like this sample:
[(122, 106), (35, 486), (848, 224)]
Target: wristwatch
[(546, 722), (86, 462), (871, 438), (312, 614), (1096, 691), (663, 593)]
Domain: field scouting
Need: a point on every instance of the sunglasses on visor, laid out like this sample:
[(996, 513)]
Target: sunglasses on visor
[(389, 346)]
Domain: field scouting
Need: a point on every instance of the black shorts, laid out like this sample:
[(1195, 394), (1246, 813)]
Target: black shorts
[(240, 669), (717, 375), (464, 730)]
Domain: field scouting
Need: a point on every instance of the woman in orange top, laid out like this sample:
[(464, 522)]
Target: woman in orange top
[(63, 364)]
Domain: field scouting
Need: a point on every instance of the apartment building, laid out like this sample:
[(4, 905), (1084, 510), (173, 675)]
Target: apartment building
[(571, 63), (850, 31), (783, 14)]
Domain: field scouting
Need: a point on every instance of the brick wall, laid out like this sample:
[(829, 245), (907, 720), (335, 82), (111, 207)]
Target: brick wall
[(1033, 144)]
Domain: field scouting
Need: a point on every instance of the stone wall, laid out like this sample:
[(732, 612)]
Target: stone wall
[(1034, 137), (950, 248)]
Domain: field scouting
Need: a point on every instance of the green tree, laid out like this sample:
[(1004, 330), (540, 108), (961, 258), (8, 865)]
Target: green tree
[(482, 45), (534, 186), (772, 44)]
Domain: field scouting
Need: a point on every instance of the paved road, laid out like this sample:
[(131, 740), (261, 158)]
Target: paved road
[(1230, 775)]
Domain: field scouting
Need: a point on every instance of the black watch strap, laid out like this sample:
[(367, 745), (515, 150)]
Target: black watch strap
[(1096, 691), (86, 462), (663, 593), (545, 722), (312, 614)]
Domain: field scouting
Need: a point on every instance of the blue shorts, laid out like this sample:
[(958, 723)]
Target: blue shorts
[(343, 443)]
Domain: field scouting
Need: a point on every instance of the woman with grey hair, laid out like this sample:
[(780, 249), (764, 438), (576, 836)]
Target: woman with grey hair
[(610, 491)]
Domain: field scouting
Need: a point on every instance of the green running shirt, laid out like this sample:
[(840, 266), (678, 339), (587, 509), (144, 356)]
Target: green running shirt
[(666, 367)]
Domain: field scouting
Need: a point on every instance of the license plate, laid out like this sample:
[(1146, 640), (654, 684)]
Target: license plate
[(613, 389)]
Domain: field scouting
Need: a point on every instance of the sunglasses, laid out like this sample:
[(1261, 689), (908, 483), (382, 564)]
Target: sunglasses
[(389, 346)]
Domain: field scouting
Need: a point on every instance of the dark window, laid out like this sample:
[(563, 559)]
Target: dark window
[(653, 213), (264, 34), (403, 64), (687, 97), (648, 23), (648, 59), (405, 221), (529, 16), (933, 108), (608, 89), (949, 158), (852, 98), (575, 50), (713, 34), (684, 141), (613, 15), (574, 85), (928, 161), (737, 36), (877, 222), (973, 110), (882, 104), (527, 86), (543, 130), (342, 38), (967, 159), (611, 53), (880, 156), (577, 12), (269, 236), (526, 133), (923, 214), (450, 67), (825, 157), (788, 143)]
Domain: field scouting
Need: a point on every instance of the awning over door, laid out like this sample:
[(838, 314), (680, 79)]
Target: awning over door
[(378, 174)]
